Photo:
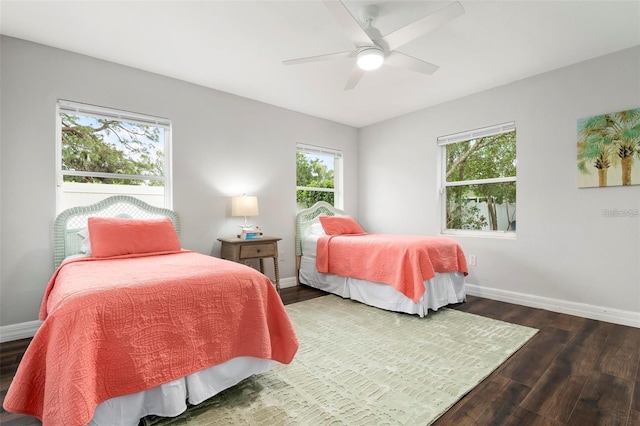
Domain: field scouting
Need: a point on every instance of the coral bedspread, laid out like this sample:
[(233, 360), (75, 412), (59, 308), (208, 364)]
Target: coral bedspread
[(118, 326), (402, 261)]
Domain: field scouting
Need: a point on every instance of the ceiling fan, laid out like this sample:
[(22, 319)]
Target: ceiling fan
[(372, 49)]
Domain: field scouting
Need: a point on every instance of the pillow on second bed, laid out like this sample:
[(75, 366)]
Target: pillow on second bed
[(120, 236), (340, 225)]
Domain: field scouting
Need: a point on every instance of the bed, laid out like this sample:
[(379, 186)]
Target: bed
[(410, 274), (135, 325)]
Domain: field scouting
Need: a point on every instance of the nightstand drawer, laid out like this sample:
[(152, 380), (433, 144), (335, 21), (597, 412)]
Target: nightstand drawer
[(255, 251)]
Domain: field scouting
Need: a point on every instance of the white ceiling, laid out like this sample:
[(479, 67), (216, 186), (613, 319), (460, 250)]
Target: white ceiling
[(238, 46)]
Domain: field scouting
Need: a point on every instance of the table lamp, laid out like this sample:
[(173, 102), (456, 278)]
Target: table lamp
[(246, 206)]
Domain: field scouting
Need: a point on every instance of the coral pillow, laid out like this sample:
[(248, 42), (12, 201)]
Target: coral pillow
[(339, 225), (119, 236)]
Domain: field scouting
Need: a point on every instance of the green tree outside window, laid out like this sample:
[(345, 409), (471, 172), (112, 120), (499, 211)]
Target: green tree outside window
[(96, 146), (311, 173), (475, 169)]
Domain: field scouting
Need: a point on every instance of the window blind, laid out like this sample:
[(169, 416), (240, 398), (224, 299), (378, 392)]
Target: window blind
[(310, 149), (477, 133), (109, 114)]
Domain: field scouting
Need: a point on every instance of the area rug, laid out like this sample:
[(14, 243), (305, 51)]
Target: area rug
[(359, 365)]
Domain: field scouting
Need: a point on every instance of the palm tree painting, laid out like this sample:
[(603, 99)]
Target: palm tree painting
[(609, 149)]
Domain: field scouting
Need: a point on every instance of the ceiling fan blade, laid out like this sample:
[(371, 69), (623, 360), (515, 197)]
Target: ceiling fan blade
[(348, 23), (423, 25), (354, 78), (400, 60), (319, 58)]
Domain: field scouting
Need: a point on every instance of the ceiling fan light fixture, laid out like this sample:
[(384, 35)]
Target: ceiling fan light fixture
[(370, 58)]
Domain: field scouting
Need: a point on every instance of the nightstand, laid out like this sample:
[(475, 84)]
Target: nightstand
[(241, 251)]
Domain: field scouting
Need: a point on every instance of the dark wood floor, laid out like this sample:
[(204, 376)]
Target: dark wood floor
[(575, 371)]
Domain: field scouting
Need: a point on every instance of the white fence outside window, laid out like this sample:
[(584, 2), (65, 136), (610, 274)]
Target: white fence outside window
[(82, 194)]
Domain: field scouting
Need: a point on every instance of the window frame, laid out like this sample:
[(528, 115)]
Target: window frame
[(338, 183), (71, 107), (451, 139)]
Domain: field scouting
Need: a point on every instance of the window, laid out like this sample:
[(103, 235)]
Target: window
[(103, 152), (318, 176), (479, 181)]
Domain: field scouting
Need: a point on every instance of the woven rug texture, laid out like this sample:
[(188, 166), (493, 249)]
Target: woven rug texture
[(359, 365)]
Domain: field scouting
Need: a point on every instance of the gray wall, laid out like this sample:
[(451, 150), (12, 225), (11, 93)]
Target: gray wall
[(223, 145), (565, 249)]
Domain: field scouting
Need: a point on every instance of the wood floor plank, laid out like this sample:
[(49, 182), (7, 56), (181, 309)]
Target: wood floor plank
[(505, 403), (556, 393), (565, 322), (484, 307), (635, 402), (634, 411), (494, 404), (529, 317), (527, 367), (621, 352), (523, 416), (474, 305), (592, 333), (605, 400)]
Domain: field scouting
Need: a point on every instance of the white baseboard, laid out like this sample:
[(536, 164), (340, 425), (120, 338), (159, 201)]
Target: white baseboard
[(23, 330), (288, 282), (600, 313)]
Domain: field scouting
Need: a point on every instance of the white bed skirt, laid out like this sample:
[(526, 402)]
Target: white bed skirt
[(169, 399), (441, 290)]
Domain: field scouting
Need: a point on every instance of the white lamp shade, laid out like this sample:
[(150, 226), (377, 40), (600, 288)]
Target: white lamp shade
[(244, 206), (370, 59)]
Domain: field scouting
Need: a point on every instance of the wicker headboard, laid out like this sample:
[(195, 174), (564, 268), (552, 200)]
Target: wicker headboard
[(67, 224), (307, 217)]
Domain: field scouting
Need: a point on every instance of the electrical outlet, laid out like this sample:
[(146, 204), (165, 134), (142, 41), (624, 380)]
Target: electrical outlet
[(472, 260)]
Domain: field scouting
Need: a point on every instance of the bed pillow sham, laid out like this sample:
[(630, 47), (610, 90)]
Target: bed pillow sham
[(340, 225), (121, 236)]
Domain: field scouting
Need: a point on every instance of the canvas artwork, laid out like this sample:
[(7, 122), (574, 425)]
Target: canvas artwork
[(609, 149)]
